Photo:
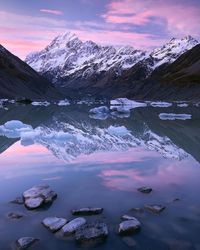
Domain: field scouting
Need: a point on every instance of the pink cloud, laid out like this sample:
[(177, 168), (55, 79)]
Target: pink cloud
[(181, 19), (54, 12)]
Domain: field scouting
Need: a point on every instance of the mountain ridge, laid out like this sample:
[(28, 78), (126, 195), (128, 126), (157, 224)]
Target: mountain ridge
[(19, 80), (68, 60)]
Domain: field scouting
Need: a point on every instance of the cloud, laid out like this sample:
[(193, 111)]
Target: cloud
[(180, 18), (53, 12), (22, 34)]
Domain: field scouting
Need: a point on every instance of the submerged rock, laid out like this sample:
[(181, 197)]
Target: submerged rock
[(25, 242), (72, 226), (92, 232), (129, 226), (54, 223), (145, 190), (37, 196), (155, 208), (128, 217), (87, 211), (18, 200), (137, 209), (14, 215), (130, 242)]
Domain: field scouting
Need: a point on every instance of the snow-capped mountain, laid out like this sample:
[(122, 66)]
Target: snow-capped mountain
[(67, 55), (68, 58), (172, 50)]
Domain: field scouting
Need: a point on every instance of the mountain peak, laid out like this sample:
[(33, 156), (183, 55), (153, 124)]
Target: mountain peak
[(68, 36)]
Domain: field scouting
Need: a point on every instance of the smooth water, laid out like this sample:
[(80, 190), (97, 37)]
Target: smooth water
[(99, 167)]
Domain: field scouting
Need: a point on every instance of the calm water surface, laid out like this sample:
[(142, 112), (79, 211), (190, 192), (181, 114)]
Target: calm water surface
[(103, 167)]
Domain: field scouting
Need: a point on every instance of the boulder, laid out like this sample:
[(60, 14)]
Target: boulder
[(130, 242), (54, 223), (91, 232), (15, 216), (128, 217), (155, 208), (25, 242), (87, 211), (37, 196), (72, 226), (129, 226), (18, 200), (145, 190)]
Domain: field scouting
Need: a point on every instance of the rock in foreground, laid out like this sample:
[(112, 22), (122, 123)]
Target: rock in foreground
[(54, 223), (15, 216), (155, 208), (145, 190), (37, 196), (128, 217), (72, 226), (25, 242), (18, 200), (91, 232), (129, 226), (87, 211)]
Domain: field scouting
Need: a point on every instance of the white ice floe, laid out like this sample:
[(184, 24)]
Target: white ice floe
[(182, 105), (118, 131), (63, 103), (171, 116), (161, 104), (41, 103), (100, 110), (126, 102), (14, 129)]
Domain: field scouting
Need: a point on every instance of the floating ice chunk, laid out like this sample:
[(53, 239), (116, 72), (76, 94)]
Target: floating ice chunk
[(41, 103), (63, 103), (118, 131), (171, 116), (161, 104), (100, 110), (127, 102), (14, 129), (182, 105)]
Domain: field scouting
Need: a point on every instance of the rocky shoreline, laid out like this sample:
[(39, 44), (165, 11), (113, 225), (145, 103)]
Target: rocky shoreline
[(84, 231)]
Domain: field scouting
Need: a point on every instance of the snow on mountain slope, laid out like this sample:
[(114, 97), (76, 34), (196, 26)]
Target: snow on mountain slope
[(68, 57), (172, 50), (67, 54)]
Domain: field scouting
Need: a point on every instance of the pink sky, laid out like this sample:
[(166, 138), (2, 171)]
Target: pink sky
[(145, 24)]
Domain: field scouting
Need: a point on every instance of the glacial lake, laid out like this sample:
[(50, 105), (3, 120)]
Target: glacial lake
[(101, 161)]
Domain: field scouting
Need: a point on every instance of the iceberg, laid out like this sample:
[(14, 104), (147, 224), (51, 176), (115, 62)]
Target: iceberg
[(63, 103), (100, 110), (171, 116), (126, 102), (161, 104), (41, 103), (14, 129)]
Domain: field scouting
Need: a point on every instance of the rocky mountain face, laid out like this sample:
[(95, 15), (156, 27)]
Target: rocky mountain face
[(93, 69), (179, 80), (18, 80)]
